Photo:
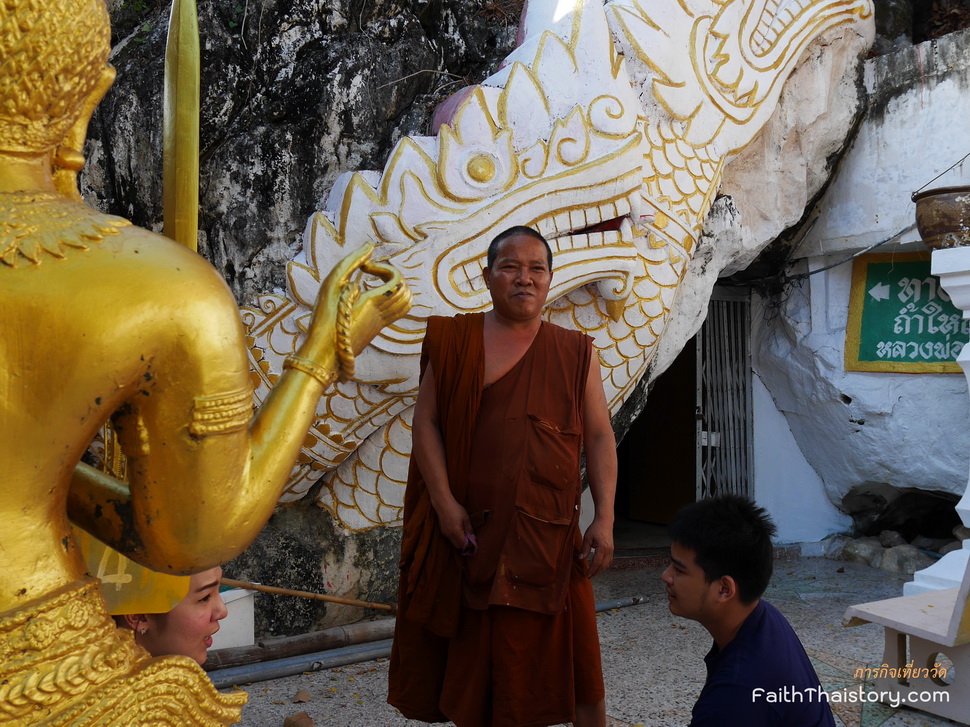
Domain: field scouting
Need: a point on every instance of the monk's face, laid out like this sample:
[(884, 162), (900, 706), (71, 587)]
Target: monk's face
[(519, 279)]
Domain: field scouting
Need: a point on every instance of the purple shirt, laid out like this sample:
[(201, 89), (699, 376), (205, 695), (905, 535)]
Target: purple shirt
[(763, 678)]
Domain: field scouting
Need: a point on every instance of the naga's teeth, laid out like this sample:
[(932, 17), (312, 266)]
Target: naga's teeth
[(578, 219), (562, 221), (546, 227)]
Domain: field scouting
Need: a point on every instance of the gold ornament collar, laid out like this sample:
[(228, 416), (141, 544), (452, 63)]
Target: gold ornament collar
[(35, 223)]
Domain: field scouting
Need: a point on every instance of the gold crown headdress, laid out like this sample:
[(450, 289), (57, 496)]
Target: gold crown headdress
[(52, 55)]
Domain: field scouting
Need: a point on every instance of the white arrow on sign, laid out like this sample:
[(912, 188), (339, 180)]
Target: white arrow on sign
[(880, 292)]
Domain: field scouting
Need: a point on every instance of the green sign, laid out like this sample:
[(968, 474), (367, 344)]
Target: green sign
[(900, 318)]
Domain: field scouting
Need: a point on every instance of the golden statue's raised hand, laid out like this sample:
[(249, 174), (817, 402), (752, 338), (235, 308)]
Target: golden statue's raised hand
[(348, 316)]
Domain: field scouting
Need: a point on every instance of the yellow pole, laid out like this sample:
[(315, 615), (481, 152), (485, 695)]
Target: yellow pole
[(181, 126)]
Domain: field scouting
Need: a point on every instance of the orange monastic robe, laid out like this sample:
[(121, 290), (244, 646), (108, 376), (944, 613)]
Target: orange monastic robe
[(506, 637)]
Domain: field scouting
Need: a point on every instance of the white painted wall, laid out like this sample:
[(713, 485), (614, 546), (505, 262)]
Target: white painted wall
[(784, 482), (918, 126), (857, 430), (861, 430)]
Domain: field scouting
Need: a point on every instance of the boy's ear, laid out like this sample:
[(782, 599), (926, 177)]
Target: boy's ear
[(727, 589)]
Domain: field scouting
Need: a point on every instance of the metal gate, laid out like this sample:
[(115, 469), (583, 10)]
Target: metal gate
[(724, 432)]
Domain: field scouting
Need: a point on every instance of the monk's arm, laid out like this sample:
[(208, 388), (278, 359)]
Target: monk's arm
[(428, 449), (600, 446)]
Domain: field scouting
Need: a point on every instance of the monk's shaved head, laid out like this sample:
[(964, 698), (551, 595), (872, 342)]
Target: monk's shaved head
[(500, 238)]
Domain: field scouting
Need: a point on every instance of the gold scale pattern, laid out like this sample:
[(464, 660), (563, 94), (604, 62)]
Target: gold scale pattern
[(33, 226)]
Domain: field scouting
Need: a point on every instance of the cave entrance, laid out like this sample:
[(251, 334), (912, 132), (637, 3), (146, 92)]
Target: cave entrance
[(693, 438)]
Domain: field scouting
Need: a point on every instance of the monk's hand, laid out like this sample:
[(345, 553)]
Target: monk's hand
[(453, 521), (598, 541)]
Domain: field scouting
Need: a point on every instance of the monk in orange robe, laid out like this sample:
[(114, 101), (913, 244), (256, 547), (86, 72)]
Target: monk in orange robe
[(496, 624)]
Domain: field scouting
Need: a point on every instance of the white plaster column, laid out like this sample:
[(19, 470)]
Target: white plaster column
[(952, 265)]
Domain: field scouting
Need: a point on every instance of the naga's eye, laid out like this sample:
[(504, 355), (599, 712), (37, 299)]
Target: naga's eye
[(481, 168)]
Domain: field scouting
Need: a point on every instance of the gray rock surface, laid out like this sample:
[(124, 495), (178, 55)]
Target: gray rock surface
[(292, 95), (864, 550), (934, 544), (894, 25), (834, 547), (951, 546), (904, 559), (889, 538)]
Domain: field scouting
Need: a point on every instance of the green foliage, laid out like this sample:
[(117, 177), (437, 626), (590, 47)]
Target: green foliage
[(238, 10), (143, 31)]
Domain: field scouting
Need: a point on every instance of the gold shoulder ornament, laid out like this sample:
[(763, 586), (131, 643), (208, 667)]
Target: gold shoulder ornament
[(33, 224)]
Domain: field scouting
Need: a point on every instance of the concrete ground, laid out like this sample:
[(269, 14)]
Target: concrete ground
[(653, 662)]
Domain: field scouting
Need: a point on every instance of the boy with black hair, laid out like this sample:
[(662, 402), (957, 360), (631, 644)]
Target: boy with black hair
[(758, 674)]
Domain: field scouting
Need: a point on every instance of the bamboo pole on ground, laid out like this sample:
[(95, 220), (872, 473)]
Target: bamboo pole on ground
[(306, 594)]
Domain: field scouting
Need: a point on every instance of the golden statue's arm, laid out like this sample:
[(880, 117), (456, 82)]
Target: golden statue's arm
[(205, 475)]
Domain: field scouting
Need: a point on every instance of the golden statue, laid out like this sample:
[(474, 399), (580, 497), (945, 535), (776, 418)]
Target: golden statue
[(101, 319)]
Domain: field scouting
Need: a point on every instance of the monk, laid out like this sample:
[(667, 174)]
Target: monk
[(497, 624)]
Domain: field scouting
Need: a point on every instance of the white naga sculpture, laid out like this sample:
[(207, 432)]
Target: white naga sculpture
[(607, 129)]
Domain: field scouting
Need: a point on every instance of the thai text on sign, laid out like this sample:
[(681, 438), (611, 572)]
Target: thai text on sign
[(900, 318)]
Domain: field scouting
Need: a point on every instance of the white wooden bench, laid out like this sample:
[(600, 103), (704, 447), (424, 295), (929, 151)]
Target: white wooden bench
[(920, 630)]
